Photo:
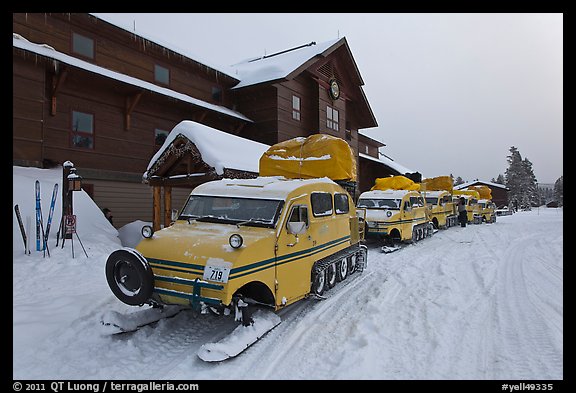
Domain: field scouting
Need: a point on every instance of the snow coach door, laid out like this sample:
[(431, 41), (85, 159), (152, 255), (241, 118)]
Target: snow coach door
[(293, 254)]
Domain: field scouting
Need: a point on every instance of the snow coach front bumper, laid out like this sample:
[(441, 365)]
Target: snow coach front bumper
[(193, 295)]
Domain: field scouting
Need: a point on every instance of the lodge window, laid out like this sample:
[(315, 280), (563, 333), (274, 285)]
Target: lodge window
[(217, 94), (160, 136), (296, 108), (82, 45), (341, 203), (321, 204), (332, 118), (82, 130), (161, 74)]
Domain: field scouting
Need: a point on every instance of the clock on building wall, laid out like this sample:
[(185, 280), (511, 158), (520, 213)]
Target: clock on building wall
[(334, 89)]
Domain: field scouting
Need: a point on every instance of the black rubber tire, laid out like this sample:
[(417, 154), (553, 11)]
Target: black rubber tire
[(331, 276), (342, 270), (129, 277), (319, 283), (351, 264)]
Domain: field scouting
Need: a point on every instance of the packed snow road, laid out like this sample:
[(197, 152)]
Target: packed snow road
[(481, 302)]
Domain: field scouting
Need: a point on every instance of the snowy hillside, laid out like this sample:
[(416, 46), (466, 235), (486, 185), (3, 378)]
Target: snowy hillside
[(482, 302)]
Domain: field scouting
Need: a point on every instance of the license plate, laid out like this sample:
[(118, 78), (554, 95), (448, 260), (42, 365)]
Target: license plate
[(216, 273)]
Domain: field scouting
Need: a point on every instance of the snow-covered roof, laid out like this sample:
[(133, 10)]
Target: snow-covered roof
[(172, 47), (268, 187), (268, 68), (400, 169), (218, 149), (487, 183), (47, 51)]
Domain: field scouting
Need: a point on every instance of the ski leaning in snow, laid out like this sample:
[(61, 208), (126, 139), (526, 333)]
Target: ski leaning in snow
[(115, 322), (50, 214), (22, 231), (241, 338), (40, 224)]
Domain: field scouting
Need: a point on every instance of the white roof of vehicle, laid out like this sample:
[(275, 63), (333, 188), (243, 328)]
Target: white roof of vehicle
[(434, 193), (270, 187), (388, 194)]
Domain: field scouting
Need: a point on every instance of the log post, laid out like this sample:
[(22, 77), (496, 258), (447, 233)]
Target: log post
[(167, 206), (156, 203)]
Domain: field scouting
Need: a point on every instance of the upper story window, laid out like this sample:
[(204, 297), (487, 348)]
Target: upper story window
[(82, 130), (160, 136), (296, 107), (217, 94), (82, 45), (161, 74), (332, 118)]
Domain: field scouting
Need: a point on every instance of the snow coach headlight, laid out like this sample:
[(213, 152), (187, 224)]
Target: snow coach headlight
[(235, 241), (147, 231)]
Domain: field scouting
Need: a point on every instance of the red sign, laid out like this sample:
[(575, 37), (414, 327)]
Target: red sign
[(70, 224)]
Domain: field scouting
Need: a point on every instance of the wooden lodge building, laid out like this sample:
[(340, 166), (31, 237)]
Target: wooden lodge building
[(90, 92)]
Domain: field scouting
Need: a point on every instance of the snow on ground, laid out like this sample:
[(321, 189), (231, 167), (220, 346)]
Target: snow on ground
[(481, 302)]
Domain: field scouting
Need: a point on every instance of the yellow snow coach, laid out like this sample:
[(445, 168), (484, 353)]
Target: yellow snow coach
[(243, 245), (438, 194), (472, 208), (487, 210), (395, 210)]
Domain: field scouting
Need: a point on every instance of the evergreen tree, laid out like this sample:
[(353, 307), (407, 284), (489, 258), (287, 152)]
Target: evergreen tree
[(500, 179), (521, 181), (531, 194), (559, 190)]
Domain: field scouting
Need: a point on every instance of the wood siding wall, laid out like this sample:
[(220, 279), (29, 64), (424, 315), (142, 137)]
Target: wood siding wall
[(122, 51), (131, 201), (28, 111)]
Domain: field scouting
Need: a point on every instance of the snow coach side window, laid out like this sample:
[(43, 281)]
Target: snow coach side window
[(82, 130), (299, 214), (321, 204), (341, 203)]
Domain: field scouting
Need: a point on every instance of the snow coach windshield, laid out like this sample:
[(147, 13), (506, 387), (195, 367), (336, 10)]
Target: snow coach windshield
[(380, 203), (232, 210), (431, 200)]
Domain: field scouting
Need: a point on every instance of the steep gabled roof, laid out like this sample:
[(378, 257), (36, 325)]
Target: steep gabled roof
[(279, 65), (472, 183)]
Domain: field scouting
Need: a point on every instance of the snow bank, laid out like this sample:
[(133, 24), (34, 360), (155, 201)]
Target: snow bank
[(481, 302)]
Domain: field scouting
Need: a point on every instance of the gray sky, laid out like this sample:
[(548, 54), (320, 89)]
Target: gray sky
[(451, 92)]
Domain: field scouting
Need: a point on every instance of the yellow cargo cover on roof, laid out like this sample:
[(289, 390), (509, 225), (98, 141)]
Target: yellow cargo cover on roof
[(319, 155), (484, 191), (472, 193), (439, 183), (395, 183)]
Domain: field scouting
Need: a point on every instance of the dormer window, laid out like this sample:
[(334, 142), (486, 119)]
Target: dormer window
[(161, 75), (82, 45)]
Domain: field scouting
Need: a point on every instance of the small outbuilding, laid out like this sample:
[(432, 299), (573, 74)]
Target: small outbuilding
[(192, 154), (499, 191)]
